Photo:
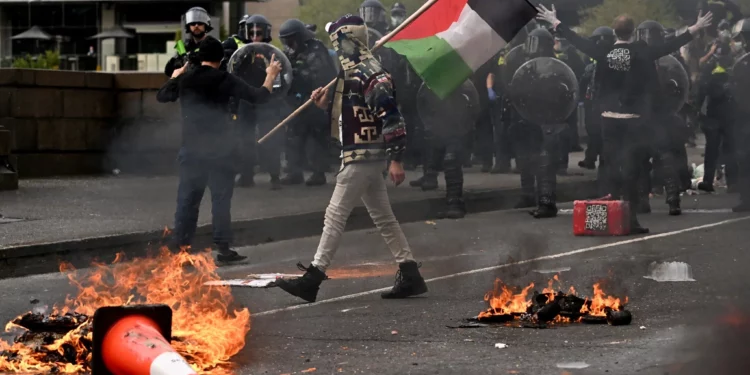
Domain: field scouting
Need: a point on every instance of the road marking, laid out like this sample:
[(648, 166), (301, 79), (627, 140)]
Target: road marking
[(520, 262), (569, 211)]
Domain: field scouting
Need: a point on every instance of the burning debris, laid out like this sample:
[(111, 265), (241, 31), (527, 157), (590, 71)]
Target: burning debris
[(551, 306), (205, 330)]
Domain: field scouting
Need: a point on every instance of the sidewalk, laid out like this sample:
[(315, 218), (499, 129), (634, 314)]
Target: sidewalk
[(69, 217)]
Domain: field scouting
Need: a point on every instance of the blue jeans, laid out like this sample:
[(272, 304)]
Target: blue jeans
[(195, 176)]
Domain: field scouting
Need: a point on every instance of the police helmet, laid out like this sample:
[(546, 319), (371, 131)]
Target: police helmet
[(539, 42), (242, 28), (398, 9), (372, 12), (603, 35), (650, 32), (257, 21), (198, 15), (294, 30)]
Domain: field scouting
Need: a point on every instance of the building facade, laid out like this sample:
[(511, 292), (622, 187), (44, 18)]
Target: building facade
[(154, 26)]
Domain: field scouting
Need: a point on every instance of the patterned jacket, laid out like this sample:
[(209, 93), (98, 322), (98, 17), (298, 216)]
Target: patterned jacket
[(365, 115)]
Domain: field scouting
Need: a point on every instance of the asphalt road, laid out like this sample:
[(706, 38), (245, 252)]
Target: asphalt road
[(678, 327)]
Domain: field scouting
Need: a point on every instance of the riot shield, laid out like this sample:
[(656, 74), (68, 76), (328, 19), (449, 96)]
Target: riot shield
[(544, 91), (513, 60), (675, 84), (453, 116), (740, 81), (250, 61)]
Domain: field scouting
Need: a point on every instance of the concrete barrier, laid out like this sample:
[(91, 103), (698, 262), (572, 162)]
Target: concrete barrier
[(77, 123)]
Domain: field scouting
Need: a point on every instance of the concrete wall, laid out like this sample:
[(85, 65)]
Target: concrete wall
[(71, 123)]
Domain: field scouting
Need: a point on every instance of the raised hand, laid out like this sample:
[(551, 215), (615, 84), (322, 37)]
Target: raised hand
[(704, 21), (274, 66), (550, 16)]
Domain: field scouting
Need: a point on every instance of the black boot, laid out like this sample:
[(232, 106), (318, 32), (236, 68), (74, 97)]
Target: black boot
[(275, 182), (227, 255), (317, 179), (306, 286), (456, 209), (429, 182), (408, 282), (636, 228), (417, 183), (674, 206), (705, 186), (293, 179), (544, 211)]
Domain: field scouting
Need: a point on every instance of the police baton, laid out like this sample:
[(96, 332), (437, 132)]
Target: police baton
[(380, 43)]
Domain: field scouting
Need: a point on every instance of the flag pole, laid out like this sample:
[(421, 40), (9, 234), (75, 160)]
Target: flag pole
[(379, 44)]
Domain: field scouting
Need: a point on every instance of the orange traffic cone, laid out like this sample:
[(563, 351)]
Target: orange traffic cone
[(134, 340)]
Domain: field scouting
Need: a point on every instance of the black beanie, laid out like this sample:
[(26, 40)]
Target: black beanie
[(210, 50)]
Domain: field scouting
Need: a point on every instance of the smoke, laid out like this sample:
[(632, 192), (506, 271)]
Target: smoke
[(144, 146)]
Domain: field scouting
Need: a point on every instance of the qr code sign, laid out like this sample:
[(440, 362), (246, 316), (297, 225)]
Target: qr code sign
[(596, 217)]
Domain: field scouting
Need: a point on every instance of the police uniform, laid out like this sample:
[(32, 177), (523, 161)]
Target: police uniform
[(313, 68)]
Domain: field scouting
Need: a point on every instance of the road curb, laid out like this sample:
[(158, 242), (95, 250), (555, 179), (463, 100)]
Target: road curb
[(43, 258)]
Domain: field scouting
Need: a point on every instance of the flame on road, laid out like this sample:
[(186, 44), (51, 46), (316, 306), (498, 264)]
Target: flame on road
[(207, 330)]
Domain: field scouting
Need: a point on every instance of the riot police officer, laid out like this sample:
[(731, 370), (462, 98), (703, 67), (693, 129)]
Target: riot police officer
[(197, 27), (536, 142), (268, 154), (664, 145), (313, 68), (374, 14), (719, 118), (588, 84), (570, 140), (236, 41), (398, 15), (447, 122)]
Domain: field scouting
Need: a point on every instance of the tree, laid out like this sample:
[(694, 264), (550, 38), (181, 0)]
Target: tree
[(320, 12), (661, 11)]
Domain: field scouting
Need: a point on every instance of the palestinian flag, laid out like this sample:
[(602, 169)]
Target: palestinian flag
[(453, 38)]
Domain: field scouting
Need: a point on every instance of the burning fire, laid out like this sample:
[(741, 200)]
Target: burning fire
[(601, 302), (204, 329), (508, 301)]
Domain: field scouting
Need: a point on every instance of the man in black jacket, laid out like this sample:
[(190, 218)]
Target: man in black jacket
[(209, 136), (625, 97)]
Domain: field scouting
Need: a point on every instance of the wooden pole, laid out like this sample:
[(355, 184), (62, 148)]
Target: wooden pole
[(379, 44)]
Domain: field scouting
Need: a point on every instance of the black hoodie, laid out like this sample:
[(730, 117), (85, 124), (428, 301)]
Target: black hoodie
[(208, 128)]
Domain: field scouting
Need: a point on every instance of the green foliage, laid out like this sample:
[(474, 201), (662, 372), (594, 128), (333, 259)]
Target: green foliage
[(320, 12), (48, 60), (661, 11)]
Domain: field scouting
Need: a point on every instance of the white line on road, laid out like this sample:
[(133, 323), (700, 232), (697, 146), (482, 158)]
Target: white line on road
[(486, 269), (569, 211)]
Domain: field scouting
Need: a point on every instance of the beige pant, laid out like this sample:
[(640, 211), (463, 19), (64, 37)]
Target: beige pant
[(360, 181)]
